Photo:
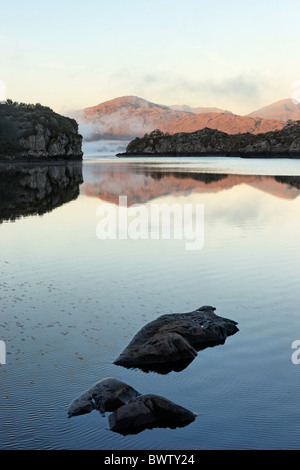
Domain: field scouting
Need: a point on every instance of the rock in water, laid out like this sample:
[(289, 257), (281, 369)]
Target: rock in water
[(106, 395), (132, 412), (147, 412), (171, 341)]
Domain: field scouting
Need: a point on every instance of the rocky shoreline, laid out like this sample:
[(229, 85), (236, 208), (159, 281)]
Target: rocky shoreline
[(284, 143), (212, 154)]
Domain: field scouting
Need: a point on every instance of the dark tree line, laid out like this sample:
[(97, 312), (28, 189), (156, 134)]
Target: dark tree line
[(20, 105)]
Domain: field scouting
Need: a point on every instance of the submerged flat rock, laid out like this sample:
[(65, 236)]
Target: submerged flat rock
[(171, 341), (147, 412), (106, 395)]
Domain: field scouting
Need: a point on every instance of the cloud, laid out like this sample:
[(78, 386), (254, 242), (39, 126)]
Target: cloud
[(87, 130), (242, 86), (113, 125), (104, 148), (240, 89), (239, 86)]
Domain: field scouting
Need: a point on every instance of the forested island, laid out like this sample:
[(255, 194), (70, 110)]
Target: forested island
[(283, 143), (36, 132)]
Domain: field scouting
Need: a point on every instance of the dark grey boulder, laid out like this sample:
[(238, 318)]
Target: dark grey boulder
[(132, 412), (147, 412), (106, 395), (171, 341)]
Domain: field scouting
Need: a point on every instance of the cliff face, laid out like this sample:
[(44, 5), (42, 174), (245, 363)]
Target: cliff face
[(30, 132), (282, 143)]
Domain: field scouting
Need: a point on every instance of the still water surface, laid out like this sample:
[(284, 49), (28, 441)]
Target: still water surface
[(70, 303)]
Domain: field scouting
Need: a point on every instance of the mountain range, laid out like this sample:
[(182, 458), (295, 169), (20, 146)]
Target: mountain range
[(130, 116), (283, 110)]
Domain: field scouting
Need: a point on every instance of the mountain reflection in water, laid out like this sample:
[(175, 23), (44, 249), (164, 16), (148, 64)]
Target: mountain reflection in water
[(141, 187)]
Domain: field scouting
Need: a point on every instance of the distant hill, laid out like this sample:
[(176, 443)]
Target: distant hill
[(129, 116), (282, 110)]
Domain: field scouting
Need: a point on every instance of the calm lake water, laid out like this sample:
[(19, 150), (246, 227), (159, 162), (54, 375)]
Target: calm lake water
[(71, 302)]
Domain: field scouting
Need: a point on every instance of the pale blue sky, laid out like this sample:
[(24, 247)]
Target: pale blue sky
[(71, 54)]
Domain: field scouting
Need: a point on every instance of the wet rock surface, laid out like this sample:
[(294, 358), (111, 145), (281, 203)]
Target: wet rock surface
[(106, 395), (147, 412), (132, 412), (171, 341), (167, 341)]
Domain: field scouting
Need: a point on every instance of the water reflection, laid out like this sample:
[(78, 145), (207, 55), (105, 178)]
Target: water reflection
[(70, 303), (32, 189), (143, 185)]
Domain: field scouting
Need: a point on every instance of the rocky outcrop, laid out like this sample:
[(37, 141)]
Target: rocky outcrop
[(147, 412), (281, 143), (167, 340), (132, 412), (171, 341), (35, 132), (34, 189), (106, 395)]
